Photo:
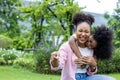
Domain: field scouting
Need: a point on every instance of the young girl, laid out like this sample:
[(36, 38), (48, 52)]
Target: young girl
[(100, 42)]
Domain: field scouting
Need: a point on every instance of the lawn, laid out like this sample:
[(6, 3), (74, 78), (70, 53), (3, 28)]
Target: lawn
[(10, 73), (117, 76)]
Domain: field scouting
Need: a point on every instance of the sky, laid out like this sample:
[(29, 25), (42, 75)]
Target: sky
[(98, 7)]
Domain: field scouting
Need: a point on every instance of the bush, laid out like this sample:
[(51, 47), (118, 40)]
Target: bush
[(20, 42), (9, 57), (28, 64), (11, 54), (112, 65), (11, 51), (2, 61), (5, 41), (42, 61)]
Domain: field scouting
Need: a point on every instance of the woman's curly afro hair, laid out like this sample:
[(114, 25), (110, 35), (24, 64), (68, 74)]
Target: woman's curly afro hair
[(81, 17), (103, 37)]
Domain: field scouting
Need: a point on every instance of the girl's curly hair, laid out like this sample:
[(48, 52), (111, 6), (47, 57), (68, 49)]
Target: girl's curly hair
[(103, 37), (81, 17)]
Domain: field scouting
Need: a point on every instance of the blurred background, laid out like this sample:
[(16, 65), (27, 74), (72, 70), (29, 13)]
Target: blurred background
[(30, 30)]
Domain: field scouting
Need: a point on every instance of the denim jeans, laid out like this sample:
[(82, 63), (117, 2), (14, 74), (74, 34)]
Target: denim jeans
[(80, 76), (99, 77)]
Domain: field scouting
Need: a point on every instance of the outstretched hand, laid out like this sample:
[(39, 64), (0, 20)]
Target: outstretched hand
[(54, 58)]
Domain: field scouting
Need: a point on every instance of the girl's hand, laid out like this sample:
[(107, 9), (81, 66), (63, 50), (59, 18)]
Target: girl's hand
[(90, 60), (79, 61)]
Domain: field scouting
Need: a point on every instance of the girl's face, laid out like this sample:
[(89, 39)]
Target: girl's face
[(91, 42), (83, 32)]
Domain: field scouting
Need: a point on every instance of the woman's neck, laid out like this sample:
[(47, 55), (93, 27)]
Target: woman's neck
[(81, 44)]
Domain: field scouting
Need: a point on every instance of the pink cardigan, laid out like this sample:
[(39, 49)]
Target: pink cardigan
[(66, 63)]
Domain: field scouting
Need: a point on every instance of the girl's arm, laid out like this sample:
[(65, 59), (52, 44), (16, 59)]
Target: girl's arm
[(92, 61), (73, 45)]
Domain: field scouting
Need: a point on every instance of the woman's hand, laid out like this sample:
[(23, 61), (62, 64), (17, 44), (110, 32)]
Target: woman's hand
[(54, 58)]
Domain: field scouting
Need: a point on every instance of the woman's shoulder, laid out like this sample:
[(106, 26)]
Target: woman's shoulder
[(65, 45)]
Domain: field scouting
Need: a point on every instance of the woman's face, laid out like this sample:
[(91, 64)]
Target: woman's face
[(83, 32), (91, 43)]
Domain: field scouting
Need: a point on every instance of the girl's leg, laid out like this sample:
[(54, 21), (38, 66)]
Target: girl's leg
[(100, 77)]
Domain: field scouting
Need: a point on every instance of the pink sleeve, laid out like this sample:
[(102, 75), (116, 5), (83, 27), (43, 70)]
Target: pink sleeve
[(62, 57), (90, 72)]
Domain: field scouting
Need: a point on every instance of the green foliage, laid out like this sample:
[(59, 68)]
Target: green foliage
[(56, 22), (106, 15), (114, 23), (20, 42), (8, 57), (25, 63), (2, 61), (11, 54), (5, 42), (42, 61), (18, 59), (112, 65), (9, 17)]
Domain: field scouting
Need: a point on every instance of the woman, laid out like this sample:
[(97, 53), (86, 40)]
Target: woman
[(66, 60)]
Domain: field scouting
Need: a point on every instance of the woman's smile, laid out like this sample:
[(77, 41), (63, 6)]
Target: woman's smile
[(82, 38)]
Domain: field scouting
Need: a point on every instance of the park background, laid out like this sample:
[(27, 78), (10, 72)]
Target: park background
[(31, 29)]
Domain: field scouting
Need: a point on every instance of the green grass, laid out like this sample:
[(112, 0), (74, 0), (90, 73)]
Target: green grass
[(10, 73), (117, 76)]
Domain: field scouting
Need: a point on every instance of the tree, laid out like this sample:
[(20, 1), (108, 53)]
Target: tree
[(114, 23), (9, 17), (50, 17)]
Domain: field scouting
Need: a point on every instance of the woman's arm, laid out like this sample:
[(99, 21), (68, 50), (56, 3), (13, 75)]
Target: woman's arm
[(58, 58), (73, 45)]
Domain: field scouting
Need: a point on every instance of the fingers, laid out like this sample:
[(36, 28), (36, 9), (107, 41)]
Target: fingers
[(79, 61), (55, 55), (85, 58)]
